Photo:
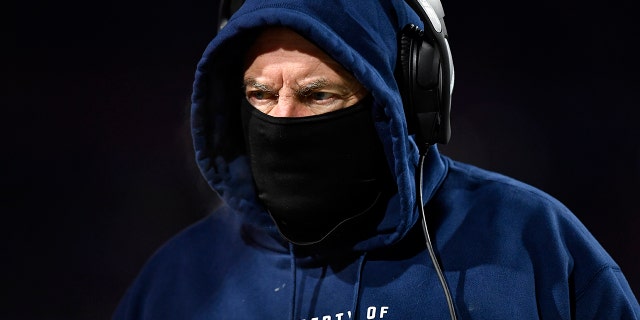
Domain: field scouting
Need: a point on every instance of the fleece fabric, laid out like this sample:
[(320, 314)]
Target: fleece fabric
[(508, 250)]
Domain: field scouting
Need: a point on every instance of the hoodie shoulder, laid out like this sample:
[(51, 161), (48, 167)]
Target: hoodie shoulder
[(499, 222), (182, 272), (209, 270)]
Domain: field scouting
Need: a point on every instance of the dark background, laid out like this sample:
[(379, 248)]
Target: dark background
[(98, 169)]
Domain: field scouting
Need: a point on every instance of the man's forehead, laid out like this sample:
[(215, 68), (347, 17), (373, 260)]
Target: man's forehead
[(285, 39), (283, 45)]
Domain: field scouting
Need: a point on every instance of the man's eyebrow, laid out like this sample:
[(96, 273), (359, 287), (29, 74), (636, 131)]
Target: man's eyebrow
[(312, 86), (301, 91), (250, 82)]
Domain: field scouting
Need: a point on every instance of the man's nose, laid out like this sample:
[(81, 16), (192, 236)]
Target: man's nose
[(289, 106)]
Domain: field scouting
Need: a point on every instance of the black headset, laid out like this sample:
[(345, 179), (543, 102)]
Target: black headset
[(424, 73), (226, 9)]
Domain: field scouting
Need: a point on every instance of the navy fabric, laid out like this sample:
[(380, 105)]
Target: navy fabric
[(509, 251)]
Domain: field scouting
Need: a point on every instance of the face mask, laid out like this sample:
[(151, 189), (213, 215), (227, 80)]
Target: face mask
[(315, 173)]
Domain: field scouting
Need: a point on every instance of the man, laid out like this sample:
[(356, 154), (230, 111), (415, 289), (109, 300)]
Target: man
[(300, 126)]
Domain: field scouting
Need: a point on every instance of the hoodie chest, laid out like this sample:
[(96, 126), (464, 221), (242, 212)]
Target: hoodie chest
[(363, 289)]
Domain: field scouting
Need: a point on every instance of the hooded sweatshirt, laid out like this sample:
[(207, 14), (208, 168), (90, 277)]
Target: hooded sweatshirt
[(507, 250)]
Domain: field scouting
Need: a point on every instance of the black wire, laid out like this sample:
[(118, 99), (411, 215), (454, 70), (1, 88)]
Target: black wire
[(434, 260)]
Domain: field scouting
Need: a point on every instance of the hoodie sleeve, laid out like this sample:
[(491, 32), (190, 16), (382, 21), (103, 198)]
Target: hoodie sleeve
[(607, 296)]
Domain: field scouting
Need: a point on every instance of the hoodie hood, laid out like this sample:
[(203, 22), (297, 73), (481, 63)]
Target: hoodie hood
[(362, 37)]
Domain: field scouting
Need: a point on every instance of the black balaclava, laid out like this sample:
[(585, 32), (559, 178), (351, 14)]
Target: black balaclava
[(314, 173)]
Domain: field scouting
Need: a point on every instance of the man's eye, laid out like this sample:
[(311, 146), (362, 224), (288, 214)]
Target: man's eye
[(261, 97), (258, 95), (321, 96)]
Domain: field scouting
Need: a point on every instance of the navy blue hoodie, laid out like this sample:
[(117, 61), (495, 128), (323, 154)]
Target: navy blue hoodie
[(508, 250)]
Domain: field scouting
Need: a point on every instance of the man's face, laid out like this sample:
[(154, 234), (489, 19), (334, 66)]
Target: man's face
[(288, 76)]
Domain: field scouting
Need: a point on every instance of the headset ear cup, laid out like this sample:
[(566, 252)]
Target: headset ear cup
[(419, 78), (404, 76), (405, 60)]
